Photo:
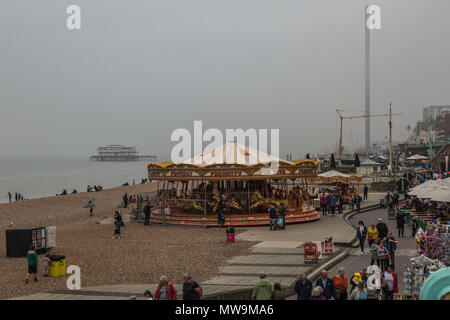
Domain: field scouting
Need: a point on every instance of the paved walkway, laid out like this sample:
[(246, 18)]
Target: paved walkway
[(278, 253), (296, 234), (406, 247)]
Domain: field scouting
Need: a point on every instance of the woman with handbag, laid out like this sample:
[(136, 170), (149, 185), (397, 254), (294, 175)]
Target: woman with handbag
[(340, 284), (390, 282), (165, 290), (383, 257), (373, 251)]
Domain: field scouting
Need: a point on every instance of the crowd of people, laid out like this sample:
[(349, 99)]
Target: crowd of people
[(94, 188), (17, 197), (338, 287), (333, 202)]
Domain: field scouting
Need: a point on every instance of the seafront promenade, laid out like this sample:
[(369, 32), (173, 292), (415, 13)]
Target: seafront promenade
[(278, 253)]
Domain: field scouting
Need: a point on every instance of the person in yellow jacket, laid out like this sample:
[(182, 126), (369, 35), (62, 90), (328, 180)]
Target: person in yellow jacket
[(372, 234)]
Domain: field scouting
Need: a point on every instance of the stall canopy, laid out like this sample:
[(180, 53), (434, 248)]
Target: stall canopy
[(436, 190), (417, 157), (336, 176), (441, 194)]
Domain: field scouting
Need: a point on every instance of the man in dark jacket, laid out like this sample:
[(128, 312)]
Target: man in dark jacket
[(283, 215), (303, 287), (382, 229), (326, 284), (366, 192), (125, 200), (400, 224), (273, 217), (146, 211), (361, 234)]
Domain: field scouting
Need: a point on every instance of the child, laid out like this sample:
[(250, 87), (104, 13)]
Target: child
[(32, 260), (117, 226), (46, 264), (148, 295)]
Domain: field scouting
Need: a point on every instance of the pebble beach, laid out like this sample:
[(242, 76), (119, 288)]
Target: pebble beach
[(141, 256)]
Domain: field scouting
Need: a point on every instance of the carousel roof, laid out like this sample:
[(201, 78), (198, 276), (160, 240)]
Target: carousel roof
[(232, 153)]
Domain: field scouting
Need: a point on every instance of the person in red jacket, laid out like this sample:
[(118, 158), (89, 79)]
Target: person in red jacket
[(165, 290), (391, 282)]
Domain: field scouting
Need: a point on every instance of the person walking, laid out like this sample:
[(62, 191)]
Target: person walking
[(360, 292), (414, 226), (323, 204), (400, 224), (391, 282), (340, 284), (264, 289), (283, 215), (374, 251), (117, 225), (146, 211), (32, 261), (272, 217), (90, 205), (165, 290), (326, 284), (340, 203), (372, 234), (358, 203), (361, 234), (366, 192), (303, 287), (16, 196), (9, 196), (383, 256), (125, 200), (382, 229), (278, 292), (332, 201), (391, 246), (191, 289), (46, 264), (357, 277)]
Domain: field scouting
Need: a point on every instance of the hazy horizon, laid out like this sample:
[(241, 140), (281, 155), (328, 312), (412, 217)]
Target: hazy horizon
[(137, 70)]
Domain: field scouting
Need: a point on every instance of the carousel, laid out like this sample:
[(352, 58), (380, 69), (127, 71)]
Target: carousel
[(233, 180)]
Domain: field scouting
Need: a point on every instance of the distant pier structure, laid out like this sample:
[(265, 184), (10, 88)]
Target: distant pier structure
[(119, 153)]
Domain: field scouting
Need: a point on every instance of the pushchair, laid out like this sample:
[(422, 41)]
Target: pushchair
[(279, 224)]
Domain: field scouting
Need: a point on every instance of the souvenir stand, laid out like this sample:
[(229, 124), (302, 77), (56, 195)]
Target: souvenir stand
[(344, 183)]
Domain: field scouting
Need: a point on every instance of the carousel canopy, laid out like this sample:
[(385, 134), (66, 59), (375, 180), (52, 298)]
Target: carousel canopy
[(234, 153), (233, 161)]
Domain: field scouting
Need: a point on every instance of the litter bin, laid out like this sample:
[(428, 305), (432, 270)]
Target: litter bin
[(230, 234), (57, 266)]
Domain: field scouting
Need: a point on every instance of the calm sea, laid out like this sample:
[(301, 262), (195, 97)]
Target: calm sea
[(41, 177)]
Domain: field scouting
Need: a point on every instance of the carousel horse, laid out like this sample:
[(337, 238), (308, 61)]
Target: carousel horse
[(197, 206)]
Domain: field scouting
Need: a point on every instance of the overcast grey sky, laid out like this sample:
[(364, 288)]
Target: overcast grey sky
[(137, 70)]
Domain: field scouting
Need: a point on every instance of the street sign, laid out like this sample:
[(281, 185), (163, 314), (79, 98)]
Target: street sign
[(311, 253), (329, 246)]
